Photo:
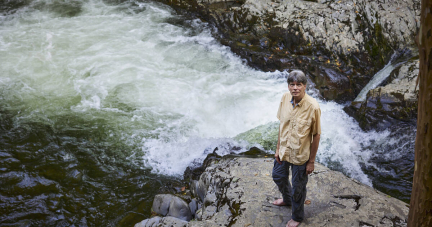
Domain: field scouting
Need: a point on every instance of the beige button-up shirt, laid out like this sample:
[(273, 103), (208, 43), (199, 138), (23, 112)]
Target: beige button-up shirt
[(297, 125)]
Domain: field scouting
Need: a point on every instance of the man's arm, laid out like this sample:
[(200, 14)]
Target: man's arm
[(277, 149), (313, 151)]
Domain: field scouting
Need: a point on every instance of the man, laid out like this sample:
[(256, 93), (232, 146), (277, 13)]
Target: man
[(299, 135)]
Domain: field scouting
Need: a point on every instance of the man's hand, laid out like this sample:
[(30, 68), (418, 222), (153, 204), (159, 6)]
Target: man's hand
[(310, 166), (277, 158)]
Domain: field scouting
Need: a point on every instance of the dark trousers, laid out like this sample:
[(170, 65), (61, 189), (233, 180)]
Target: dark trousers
[(296, 195)]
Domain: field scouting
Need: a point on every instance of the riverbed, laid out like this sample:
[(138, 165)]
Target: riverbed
[(103, 104)]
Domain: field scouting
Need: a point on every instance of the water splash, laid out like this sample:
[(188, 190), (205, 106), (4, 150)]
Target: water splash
[(397, 59)]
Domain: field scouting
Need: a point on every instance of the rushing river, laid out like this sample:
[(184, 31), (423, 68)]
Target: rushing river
[(104, 103)]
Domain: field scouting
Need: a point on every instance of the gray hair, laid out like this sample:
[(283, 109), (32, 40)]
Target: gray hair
[(297, 76)]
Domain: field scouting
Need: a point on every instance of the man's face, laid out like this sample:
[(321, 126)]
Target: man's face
[(297, 89)]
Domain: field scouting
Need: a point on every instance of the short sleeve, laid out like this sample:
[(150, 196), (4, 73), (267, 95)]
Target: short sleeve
[(316, 127), (280, 108)]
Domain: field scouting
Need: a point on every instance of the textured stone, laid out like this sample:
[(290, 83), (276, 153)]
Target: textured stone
[(336, 200), (386, 105), (179, 209), (166, 204), (198, 214), (151, 222), (193, 206), (208, 212), (161, 203), (340, 44), (172, 222)]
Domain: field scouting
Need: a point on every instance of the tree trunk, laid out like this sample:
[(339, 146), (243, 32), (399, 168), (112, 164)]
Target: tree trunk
[(420, 213)]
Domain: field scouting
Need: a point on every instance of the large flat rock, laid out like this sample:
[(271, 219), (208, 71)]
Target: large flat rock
[(245, 190)]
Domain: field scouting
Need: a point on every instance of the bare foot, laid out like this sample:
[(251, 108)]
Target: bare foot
[(279, 202), (292, 223)]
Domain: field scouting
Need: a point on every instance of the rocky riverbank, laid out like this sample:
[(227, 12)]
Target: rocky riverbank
[(239, 192), (387, 105), (339, 44)]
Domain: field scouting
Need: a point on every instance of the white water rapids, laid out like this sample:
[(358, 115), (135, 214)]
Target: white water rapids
[(162, 84)]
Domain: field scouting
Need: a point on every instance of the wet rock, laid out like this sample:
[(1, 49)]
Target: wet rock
[(390, 104), (75, 175), (194, 173), (339, 44), (179, 209), (165, 204), (161, 203), (151, 222), (201, 189)]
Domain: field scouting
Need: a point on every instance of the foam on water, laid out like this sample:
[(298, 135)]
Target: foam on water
[(397, 59), (167, 89), (170, 90), (343, 144)]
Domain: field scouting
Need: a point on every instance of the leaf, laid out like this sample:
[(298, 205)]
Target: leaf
[(307, 202), (183, 189)]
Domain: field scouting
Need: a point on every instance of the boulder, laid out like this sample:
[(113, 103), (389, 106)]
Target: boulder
[(151, 222), (179, 209), (161, 204), (387, 105), (161, 222), (172, 222), (165, 204)]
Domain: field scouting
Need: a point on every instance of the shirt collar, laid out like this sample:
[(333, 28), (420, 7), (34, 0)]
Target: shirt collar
[(300, 103)]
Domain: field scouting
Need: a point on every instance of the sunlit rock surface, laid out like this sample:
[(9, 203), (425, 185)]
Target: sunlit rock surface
[(340, 44), (244, 190)]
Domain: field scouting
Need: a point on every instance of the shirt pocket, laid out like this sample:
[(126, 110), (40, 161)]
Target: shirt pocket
[(303, 128)]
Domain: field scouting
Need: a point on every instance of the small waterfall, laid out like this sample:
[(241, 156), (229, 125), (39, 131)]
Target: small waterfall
[(397, 59)]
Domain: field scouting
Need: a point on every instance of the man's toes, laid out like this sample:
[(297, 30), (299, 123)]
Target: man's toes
[(279, 202), (293, 223), (289, 222)]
